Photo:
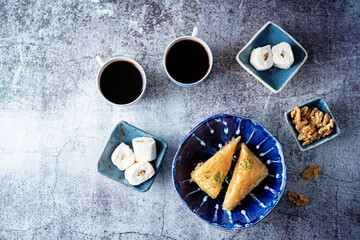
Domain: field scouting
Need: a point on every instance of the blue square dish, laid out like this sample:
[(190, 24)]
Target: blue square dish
[(203, 142), (321, 105), (124, 132), (275, 78)]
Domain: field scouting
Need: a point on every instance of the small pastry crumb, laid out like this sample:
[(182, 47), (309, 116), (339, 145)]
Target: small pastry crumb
[(311, 172), (298, 199)]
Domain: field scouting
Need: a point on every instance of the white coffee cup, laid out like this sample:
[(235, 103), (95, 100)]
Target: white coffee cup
[(193, 37), (104, 65)]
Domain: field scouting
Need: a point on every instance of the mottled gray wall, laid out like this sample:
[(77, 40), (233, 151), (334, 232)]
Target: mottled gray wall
[(54, 125)]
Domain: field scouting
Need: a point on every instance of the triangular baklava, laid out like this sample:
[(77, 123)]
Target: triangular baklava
[(248, 173), (210, 175)]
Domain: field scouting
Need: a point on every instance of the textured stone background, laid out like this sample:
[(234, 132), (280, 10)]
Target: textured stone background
[(54, 125)]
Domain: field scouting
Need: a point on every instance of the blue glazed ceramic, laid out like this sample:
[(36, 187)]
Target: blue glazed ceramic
[(275, 78), (321, 105), (124, 132), (203, 142)]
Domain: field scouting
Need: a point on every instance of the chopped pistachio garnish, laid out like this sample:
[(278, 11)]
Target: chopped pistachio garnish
[(247, 164), (217, 178)]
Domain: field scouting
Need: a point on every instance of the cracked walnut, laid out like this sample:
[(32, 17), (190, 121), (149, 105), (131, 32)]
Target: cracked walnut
[(298, 199), (311, 172), (311, 124)]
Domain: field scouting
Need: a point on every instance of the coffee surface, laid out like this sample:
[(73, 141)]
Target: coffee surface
[(187, 61), (121, 82)]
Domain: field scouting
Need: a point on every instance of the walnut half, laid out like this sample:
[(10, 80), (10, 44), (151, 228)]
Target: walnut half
[(298, 199), (311, 172)]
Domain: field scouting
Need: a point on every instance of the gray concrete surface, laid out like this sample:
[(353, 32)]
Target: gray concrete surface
[(54, 125)]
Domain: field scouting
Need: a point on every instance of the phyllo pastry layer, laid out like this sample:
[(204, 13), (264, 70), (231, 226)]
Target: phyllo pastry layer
[(210, 174), (248, 173)]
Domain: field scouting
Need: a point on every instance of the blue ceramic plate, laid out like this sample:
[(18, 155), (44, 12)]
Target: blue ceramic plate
[(125, 132), (321, 105), (203, 142), (275, 78)]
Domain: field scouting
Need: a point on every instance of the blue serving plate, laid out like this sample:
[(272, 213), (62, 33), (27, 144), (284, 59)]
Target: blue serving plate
[(204, 141), (275, 78), (321, 105), (124, 132)]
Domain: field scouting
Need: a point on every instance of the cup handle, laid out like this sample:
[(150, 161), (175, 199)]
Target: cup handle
[(99, 60), (195, 32)]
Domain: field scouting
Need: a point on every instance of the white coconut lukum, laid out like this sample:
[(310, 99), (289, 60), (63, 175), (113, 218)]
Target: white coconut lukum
[(283, 56), (123, 156), (139, 172), (144, 149), (261, 58)]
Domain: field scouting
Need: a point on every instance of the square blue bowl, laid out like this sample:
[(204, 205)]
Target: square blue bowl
[(321, 105), (275, 78), (124, 132)]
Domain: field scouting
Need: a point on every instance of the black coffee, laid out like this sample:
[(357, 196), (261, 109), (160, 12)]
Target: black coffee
[(187, 61), (121, 82)]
